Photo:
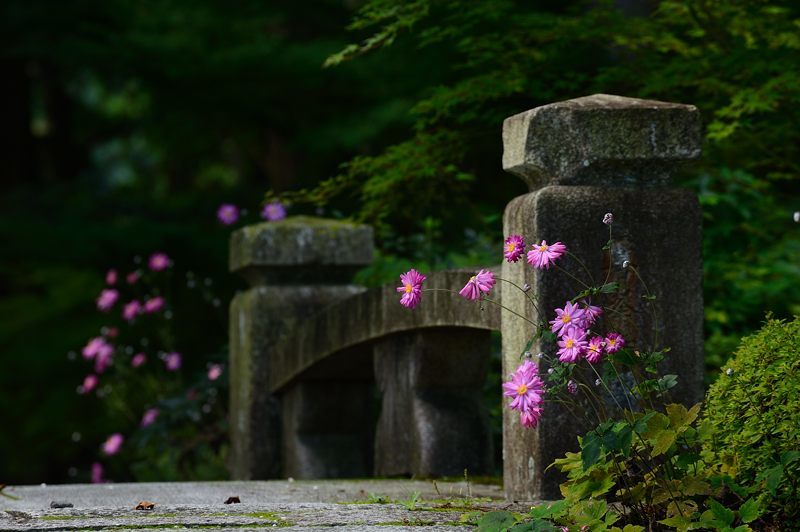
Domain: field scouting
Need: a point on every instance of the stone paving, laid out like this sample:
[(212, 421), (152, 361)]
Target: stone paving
[(358, 505)]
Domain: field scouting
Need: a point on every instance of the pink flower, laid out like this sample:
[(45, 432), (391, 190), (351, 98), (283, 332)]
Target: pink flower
[(227, 214), (514, 248), (412, 288), (93, 347), (112, 445), (481, 282), (543, 255), (572, 387), (214, 372), (132, 277), (614, 342), (89, 384), (567, 318), (525, 386), (590, 314), (173, 361), (273, 211), (530, 418), (572, 345), (138, 359), (594, 351), (97, 473), (112, 332), (103, 358), (153, 304), (158, 262), (106, 299), (149, 417), (111, 277), (131, 309)]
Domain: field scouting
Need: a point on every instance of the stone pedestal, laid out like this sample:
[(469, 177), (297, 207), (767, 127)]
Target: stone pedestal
[(295, 267), (433, 421), (581, 159)]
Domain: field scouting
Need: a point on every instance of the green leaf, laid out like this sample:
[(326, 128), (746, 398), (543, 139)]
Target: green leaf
[(773, 477), (590, 452), (679, 522), (537, 525), (749, 511), (663, 442), (721, 514), (667, 382), (547, 511), (609, 288), (496, 522), (788, 457)]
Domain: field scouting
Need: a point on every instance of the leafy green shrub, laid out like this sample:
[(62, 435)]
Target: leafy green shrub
[(755, 412)]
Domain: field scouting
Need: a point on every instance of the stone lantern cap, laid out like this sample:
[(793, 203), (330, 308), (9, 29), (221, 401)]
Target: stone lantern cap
[(301, 248), (601, 140)]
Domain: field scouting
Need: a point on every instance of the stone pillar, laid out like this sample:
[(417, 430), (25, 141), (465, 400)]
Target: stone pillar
[(294, 267), (433, 421), (582, 158)]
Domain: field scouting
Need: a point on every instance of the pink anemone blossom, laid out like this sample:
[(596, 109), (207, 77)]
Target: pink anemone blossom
[(590, 314), (572, 387), (103, 358), (149, 417), (530, 418), (514, 248), (173, 361), (131, 310), (572, 345), (97, 473), (227, 213), (94, 346), (273, 211), (133, 276), (594, 351), (154, 304), (214, 372), (567, 318), (138, 359), (527, 391), (111, 277), (158, 262), (89, 384), (113, 444), (412, 288), (543, 255), (106, 299), (481, 282), (614, 342)]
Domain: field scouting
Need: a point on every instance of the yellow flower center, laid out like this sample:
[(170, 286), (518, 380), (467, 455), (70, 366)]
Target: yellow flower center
[(543, 248), (566, 318), (472, 279), (409, 288), (569, 343), (612, 341), (522, 389), (511, 247)]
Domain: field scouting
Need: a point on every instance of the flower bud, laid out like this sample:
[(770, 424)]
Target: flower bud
[(608, 219)]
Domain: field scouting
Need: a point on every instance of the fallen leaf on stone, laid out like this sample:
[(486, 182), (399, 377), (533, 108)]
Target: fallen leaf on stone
[(145, 505), (233, 500)]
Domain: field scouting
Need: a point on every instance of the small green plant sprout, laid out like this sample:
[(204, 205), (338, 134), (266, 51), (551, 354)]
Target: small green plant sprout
[(411, 503), (374, 498)]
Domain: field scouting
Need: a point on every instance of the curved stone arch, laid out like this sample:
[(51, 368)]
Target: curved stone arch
[(374, 314)]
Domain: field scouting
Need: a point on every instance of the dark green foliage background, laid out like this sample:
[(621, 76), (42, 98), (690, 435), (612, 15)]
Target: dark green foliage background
[(126, 123)]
